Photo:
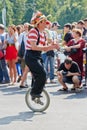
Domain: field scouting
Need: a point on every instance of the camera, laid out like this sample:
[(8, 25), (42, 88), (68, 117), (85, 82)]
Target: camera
[(84, 50), (64, 73)]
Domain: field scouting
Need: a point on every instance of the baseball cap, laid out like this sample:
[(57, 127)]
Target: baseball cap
[(55, 24), (85, 19), (81, 22), (68, 25)]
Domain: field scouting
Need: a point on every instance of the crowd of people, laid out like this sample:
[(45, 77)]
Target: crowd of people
[(41, 43)]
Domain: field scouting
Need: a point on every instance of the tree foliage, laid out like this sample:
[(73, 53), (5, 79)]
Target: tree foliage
[(20, 11)]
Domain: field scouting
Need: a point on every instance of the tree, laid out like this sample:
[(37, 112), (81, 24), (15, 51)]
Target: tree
[(72, 11), (20, 11), (48, 7)]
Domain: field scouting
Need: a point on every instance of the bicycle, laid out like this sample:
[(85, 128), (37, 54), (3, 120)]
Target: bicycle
[(39, 104)]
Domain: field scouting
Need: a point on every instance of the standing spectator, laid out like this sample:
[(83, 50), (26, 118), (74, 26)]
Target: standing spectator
[(25, 68), (54, 31), (49, 63), (55, 26), (78, 43), (11, 51), (67, 34), (18, 63), (80, 25), (85, 30), (4, 77)]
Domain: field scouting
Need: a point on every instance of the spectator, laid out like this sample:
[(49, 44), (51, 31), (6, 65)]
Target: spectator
[(4, 77), (69, 72), (11, 51), (85, 30), (25, 68), (49, 63), (80, 25), (67, 33), (78, 43)]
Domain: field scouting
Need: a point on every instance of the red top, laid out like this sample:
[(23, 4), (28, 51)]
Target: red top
[(78, 56), (79, 52)]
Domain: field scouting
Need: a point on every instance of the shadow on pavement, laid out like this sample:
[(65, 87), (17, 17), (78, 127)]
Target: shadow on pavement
[(22, 116), (82, 94), (11, 90), (71, 94)]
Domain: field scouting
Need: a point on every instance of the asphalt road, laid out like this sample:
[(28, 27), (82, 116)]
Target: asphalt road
[(67, 110)]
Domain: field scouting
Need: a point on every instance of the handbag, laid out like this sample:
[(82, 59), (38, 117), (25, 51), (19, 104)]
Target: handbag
[(73, 50), (1, 54)]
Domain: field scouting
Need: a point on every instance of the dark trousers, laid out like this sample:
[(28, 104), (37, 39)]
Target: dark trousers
[(1, 74), (34, 62)]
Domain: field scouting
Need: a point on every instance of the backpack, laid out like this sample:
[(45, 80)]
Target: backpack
[(21, 51)]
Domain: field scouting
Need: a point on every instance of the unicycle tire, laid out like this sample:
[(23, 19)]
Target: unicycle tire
[(36, 107)]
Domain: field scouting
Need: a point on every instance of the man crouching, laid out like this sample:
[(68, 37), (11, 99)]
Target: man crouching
[(69, 72)]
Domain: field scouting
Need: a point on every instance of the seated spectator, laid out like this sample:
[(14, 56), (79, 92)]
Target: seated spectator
[(69, 72)]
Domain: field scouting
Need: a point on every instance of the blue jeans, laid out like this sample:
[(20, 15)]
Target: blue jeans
[(43, 55), (3, 70), (50, 63)]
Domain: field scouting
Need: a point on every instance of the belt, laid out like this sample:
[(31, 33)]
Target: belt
[(10, 44)]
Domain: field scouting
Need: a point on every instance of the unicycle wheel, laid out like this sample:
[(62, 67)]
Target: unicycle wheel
[(38, 104)]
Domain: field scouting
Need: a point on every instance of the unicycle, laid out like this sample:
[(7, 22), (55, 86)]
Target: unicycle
[(38, 104)]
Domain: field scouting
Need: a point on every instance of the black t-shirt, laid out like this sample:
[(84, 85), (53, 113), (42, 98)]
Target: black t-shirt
[(68, 36), (73, 69)]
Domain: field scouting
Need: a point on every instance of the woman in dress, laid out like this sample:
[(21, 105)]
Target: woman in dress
[(11, 51)]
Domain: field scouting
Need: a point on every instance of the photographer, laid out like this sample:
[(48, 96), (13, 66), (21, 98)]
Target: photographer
[(69, 72)]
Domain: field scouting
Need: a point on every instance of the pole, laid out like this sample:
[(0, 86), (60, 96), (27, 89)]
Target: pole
[(4, 13)]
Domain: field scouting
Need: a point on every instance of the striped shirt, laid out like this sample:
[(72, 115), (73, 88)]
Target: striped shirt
[(33, 37)]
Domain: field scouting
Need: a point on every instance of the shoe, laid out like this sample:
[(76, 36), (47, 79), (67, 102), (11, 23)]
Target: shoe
[(4, 82), (21, 86), (19, 79), (63, 89), (52, 81), (26, 85), (7, 82), (72, 89), (33, 96), (36, 99)]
